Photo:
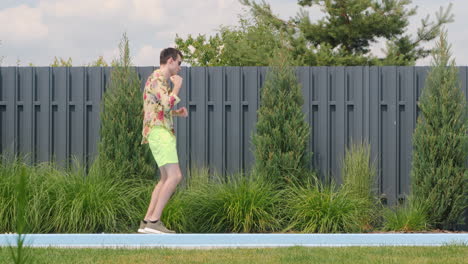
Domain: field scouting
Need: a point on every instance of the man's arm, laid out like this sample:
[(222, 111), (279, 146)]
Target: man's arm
[(177, 81), (180, 112)]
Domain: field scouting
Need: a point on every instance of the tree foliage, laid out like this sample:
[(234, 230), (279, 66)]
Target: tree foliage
[(342, 37), (282, 133), (440, 142), (122, 119)]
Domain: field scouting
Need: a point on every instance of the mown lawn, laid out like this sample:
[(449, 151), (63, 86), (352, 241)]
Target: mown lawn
[(446, 254)]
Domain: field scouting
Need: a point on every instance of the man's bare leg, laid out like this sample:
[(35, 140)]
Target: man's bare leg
[(155, 194), (174, 176)]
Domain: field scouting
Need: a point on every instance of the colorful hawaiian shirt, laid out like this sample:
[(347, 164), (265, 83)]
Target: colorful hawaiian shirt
[(158, 101)]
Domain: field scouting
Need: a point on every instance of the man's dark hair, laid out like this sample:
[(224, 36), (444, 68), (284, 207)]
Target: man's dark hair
[(169, 53)]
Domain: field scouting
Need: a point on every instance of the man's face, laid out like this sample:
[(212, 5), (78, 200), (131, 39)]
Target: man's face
[(174, 65)]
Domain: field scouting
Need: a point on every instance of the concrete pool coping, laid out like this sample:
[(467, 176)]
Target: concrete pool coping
[(211, 241)]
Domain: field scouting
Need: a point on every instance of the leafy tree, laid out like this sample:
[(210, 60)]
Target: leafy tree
[(250, 44), (440, 142), (342, 37)]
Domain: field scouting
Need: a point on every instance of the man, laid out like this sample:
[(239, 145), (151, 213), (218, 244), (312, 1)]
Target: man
[(158, 103)]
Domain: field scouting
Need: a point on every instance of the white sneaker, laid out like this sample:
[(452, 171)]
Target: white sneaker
[(157, 228)]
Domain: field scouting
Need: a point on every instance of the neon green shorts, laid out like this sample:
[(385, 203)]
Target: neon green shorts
[(163, 146)]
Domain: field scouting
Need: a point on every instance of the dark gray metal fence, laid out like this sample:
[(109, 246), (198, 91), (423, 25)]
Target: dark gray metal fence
[(54, 112)]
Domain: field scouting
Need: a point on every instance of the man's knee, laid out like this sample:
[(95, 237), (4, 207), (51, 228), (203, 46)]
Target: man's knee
[(162, 179), (173, 172), (177, 175), (163, 174)]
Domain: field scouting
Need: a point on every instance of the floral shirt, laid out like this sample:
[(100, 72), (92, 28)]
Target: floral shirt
[(158, 102)]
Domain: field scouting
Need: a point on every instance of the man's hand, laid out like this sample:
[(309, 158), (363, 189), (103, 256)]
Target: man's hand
[(181, 112), (177, 81)]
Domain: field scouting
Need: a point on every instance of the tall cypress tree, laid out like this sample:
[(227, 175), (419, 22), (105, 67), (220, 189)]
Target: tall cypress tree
[(122, 120), (282, 133), (440, 142)]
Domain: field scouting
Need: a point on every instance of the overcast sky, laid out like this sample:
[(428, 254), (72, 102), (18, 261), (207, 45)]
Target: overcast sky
[(34, 31)]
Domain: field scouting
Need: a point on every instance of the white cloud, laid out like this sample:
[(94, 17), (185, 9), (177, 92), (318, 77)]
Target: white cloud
[(83, 9), (110, 54), (146, 11), (147, 56), (149, 11), (21, 24)]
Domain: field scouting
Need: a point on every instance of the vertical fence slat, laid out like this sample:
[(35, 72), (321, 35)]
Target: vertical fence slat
[(181, 126), (59, 115), (42, 114), (314, 114), (197, 117), (24, 133), (215, 119), (354, 104), (373, 120), (406, 124), (339, 86), (365, 97), (76, 113), (389, 132), (8, 120), (232, 104), (322, 151)]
